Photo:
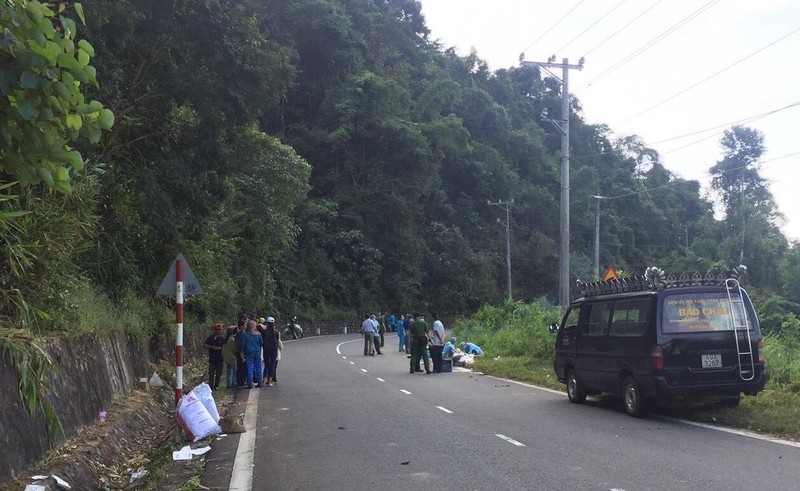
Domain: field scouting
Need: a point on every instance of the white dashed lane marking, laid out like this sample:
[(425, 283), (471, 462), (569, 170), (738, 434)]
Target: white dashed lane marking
[(364, 370), (445, 409), (380, 379), (352, 363), (404, 391), (509, 440)]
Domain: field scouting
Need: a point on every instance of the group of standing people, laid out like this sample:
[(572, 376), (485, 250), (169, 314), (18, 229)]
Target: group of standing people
[(242, 350), (414, 337)]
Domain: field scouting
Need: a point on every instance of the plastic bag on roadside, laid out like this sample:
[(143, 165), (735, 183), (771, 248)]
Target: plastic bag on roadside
[(195, 419), (203, 392)]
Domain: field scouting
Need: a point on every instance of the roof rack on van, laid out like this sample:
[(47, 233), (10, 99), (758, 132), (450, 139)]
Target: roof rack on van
[(656, 279)]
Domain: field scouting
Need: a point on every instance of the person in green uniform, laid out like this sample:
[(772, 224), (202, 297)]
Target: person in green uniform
[(381, 327), (420, 336)]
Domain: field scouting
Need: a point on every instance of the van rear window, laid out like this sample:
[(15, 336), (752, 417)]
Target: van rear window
[(700, 312)]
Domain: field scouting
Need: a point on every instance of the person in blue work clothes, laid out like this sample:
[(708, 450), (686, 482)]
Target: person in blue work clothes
[(251, 347), (401, 333), (471, 349), (449, 350)]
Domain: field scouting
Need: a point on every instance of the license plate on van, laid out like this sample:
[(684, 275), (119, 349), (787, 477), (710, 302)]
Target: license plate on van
[(711, 361)]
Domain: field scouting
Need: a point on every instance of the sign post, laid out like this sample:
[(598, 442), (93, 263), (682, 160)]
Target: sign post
[(181, 278)]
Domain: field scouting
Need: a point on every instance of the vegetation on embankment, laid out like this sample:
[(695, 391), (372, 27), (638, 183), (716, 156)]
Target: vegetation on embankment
[(519, 346)]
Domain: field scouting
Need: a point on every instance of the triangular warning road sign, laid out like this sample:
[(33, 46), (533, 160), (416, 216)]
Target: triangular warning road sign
[(610, 274), (190, 284)]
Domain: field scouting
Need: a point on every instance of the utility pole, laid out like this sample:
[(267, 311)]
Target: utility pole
[(506, 205), (563, 126), (597, 236)]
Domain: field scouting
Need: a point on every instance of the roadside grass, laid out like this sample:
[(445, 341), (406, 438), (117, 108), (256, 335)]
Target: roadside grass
[(775, 411)]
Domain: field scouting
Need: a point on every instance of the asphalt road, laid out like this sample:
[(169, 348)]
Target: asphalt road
[(340, 420)]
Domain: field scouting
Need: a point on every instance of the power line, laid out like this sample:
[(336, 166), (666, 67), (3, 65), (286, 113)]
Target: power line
[(561, 49), (748, 119), (554, 25), (713, 75), (604, 41), (654, 41), (682, 181)]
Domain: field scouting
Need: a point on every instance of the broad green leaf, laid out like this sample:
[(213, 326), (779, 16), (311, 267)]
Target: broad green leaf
[(74, 121), (29, 80), (106, 119), (46, 176), (69, 27), (79, 11), (84, 45), (62, 174), (83, 57), (27, 110)]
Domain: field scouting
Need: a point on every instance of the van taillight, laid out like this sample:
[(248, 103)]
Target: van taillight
[(657, 358), (760, 346)]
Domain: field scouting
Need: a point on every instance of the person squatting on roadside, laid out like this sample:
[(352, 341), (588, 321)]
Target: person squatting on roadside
[(471, 349), (437, 343), (251, 346), (420, 336), (229, 356), (368, 329), (214, 343), (449, 349), (271, 337)]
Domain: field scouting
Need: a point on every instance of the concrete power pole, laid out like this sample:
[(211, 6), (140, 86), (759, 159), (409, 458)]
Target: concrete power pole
[(506, 205), (563, 126), (597, 236)]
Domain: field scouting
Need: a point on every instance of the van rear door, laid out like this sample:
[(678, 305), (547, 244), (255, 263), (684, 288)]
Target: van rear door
[(697, 336)]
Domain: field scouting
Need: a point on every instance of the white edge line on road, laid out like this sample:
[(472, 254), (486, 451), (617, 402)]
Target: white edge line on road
[(746, 434), (344, 357), (364, 370), (380, 379), (404, 391), (509, 440), (445, 409), (242, 475), (734, 431), (345, 342), (352, 363)]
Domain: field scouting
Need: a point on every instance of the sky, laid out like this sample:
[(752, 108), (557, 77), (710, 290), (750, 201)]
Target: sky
[(703, 64)]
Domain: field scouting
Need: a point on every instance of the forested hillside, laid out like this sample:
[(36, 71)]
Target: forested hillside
[(314, 157)]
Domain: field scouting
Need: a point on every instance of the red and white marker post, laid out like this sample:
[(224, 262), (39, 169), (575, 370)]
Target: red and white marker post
[(179, 325)]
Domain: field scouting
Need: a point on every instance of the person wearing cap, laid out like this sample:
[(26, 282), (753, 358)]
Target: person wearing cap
[(471, 349), (272, 337), (229, 357), (449, 350), (214, 343)]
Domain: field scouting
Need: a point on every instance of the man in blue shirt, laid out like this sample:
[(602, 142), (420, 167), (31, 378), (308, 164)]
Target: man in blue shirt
[(368, 329)]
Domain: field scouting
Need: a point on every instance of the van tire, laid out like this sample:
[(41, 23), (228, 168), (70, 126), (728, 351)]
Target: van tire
[(632, 399), (575, 390)]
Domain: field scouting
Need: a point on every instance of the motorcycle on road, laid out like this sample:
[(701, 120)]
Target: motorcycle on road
[(293, 329)]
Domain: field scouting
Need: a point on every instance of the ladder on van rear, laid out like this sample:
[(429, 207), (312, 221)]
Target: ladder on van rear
[(744, 347)]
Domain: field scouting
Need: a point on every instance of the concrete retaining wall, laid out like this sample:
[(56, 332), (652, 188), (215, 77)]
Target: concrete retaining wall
[(90, 373)]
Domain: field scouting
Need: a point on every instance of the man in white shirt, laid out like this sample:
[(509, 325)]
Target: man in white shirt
[(368, 329), (437, 335)]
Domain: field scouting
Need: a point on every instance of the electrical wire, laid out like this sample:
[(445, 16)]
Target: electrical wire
[(682, 181), (604, 41), (713, 75), (561, 49), (554, 25), (748, 119), (653, 41)]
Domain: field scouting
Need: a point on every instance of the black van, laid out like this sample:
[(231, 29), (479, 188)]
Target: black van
[(656, 336)]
